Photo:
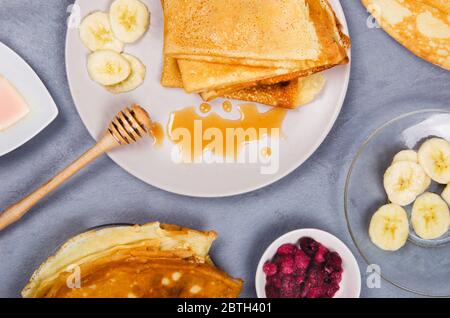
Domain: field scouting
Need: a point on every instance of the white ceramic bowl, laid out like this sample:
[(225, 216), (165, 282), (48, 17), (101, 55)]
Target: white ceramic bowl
[(351, 278), (42, 107)]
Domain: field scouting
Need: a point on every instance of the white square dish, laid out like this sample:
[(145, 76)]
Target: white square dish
[(43, 109)]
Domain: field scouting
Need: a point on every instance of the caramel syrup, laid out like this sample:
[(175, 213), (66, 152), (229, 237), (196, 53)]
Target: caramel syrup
[(157, 132), (195, 134)]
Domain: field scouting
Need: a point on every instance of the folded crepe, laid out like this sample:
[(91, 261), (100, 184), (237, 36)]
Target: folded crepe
[(291, 94), (422, 26), (257, 84), (296, 34), (213, 80), (149, 261)]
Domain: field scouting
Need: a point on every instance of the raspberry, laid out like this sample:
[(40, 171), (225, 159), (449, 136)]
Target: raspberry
[(334, 261), (301, 260), (275, 281), (272, 292), (316, 292), (289, 288), (270, 268), (315, 277), (336, 277), (300, 272), (287, 265), (332, 290), (300, 279), (321, 254), (311, 271), (305, 291), (309, 246), (287, 249)]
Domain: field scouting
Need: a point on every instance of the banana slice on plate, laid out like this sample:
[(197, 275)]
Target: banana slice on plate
[(434, 157), (389, 227), (130, 19), (107, 67), (446, 194), (96, 33), (430, 216), (404, 181), (412, 156), (406, 155), (134, 80)]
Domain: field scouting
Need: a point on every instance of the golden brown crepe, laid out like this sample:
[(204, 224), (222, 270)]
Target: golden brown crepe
[(198, 76), (273, 86), (422, 26), (291, 94), (332, 44), (274, 30), (152, 260)]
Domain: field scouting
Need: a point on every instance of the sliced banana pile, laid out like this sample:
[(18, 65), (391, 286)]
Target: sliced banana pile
[(406, 181), (105, 34)]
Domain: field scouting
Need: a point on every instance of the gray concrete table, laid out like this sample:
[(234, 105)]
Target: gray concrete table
[(386, 81)]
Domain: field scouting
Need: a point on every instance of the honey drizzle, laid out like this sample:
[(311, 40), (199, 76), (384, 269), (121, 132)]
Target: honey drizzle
[(227, 106), (266, 152), (262, 123), (205, 108), (157, 132)]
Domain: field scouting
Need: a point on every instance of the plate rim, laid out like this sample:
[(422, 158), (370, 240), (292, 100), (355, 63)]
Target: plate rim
[(358, 154), (289, 169), (51, 107)]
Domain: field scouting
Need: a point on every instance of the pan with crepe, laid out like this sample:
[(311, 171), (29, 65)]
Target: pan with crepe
[(141, 261)]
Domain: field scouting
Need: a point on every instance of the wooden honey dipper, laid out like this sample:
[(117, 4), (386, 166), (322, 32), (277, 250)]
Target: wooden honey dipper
[(127, 127)]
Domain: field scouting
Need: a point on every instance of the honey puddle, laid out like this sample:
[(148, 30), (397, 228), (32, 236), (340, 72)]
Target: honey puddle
[(194, 134), (157, 132)]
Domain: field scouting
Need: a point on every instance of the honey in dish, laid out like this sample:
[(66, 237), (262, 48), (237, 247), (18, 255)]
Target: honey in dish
[(195, 134)]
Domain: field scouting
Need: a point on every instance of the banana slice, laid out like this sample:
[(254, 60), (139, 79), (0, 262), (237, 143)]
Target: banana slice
[(404, 181), (411, 156), (389, 227), (446, 194), (96, 33), (406, 155), (434, 157), (130, 19), (108, 67), (426, 184), (134, 80), (430, 216)]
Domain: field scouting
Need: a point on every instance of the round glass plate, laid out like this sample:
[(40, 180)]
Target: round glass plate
[(421, 266)]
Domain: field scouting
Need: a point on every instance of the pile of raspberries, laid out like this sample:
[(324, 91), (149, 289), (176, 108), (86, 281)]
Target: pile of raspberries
[(308, 271)]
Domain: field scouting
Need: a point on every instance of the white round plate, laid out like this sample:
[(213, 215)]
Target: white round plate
[(351, 277), (43, 109), (304, 129)]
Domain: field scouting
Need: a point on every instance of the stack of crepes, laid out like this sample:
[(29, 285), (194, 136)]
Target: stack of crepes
[(149, 261), (268, 51)]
